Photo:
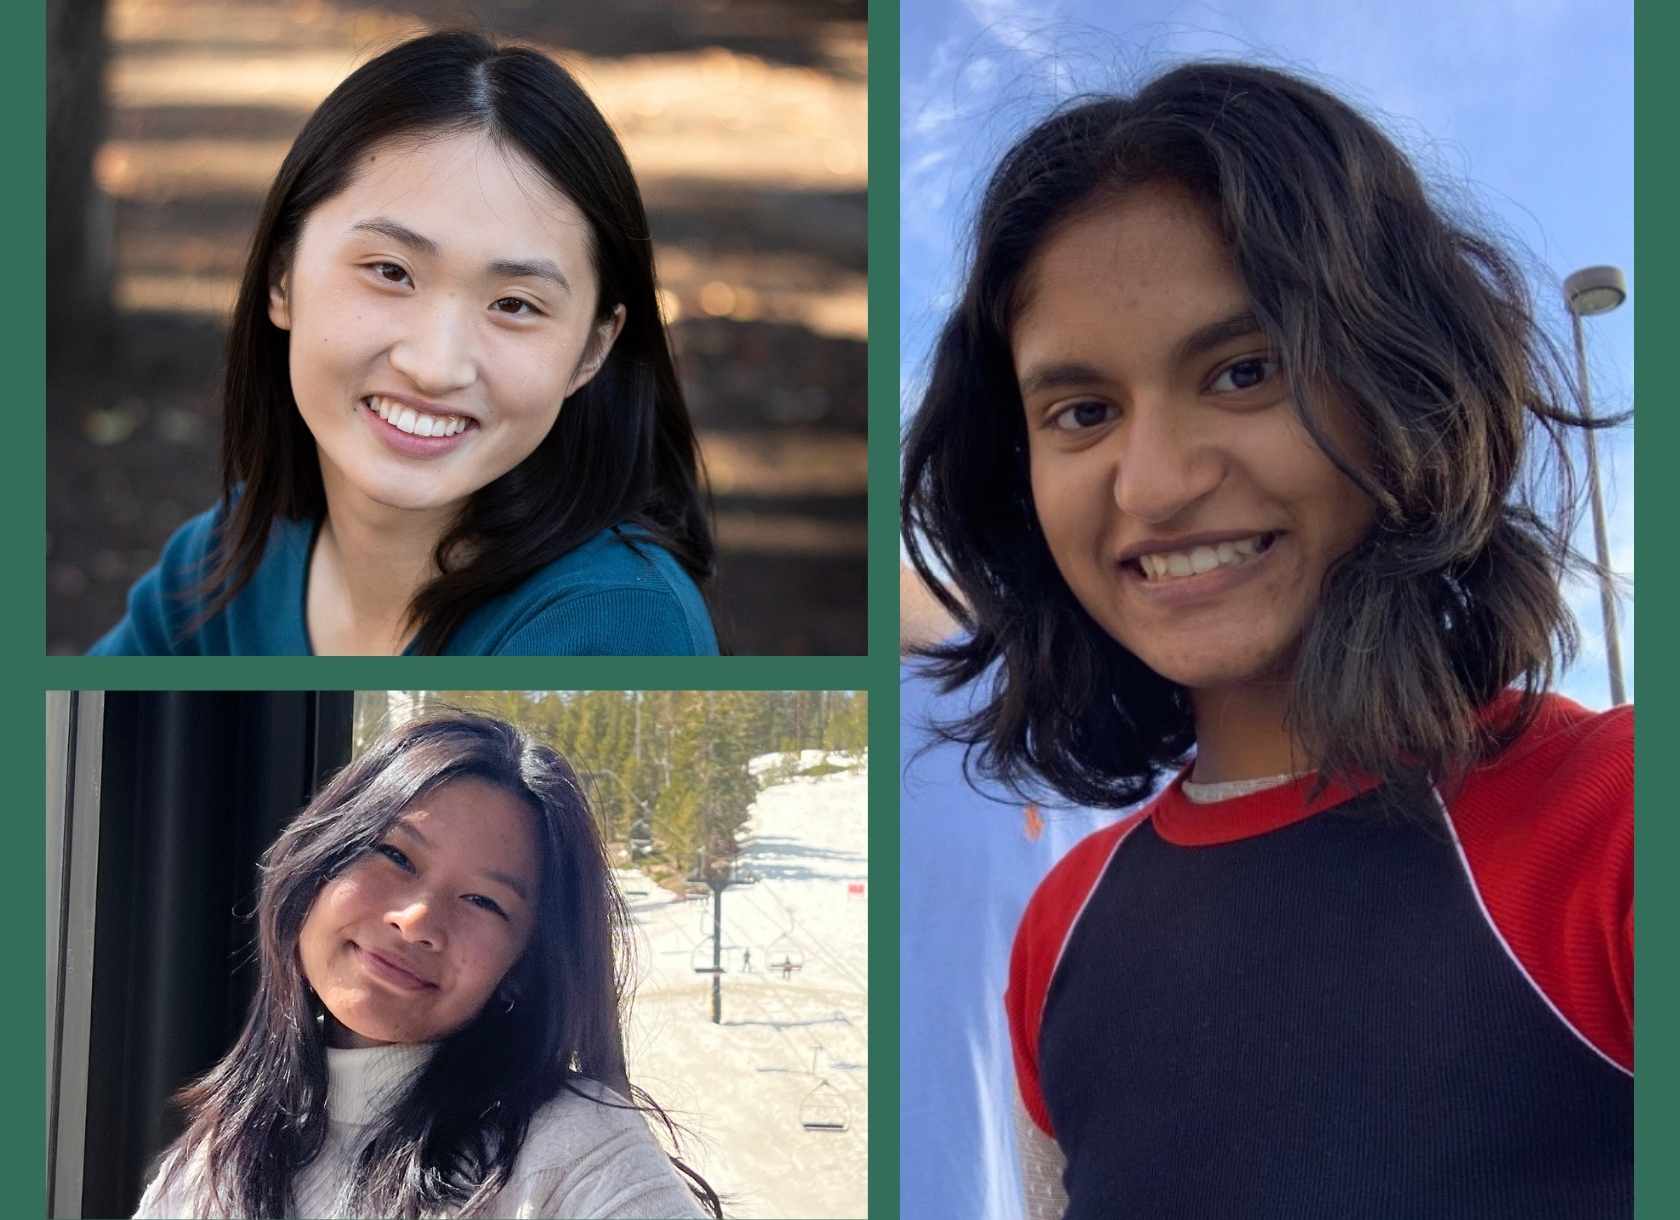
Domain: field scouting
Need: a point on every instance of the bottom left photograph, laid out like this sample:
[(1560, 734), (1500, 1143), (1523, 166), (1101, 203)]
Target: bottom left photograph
[(536, 953)]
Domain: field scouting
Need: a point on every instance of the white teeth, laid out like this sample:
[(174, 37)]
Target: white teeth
[(414, 422), (1193, 562)]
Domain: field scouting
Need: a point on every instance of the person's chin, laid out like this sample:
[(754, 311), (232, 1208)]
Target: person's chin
[(1217, 664), (400, 495)]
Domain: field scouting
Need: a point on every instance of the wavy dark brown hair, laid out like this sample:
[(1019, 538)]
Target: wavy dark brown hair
[(622, 451), (1363, 283), (449, 1143)]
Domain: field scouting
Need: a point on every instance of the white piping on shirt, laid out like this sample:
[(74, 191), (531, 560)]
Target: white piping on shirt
[(1080, 913), (1504, 944)]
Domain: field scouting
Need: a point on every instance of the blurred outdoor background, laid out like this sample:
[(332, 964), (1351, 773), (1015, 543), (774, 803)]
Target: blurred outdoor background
[(745, 124)]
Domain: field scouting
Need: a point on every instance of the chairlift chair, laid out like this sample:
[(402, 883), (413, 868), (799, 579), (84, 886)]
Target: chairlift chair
[(783, 956), (825, 1110)]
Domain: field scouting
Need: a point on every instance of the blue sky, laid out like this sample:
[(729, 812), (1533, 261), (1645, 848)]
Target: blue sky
[(1525, 110)]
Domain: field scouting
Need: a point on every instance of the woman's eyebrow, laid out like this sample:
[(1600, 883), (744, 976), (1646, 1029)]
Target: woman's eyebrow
[(1204, 339), (1072, 374), (511, 268), (1060, 376)]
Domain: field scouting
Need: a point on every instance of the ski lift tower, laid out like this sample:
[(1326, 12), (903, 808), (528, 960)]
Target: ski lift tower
[(717, 876)]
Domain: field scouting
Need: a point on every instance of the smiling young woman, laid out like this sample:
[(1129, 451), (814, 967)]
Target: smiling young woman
[(453, 424), (436, 1028), (1219, 469)]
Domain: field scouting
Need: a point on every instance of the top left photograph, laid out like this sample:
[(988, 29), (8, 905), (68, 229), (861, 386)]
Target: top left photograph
[(471, 330)]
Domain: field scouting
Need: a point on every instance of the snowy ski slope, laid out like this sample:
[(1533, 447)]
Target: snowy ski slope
[(794, 1041)]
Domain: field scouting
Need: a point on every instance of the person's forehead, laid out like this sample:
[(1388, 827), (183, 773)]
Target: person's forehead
[(1150, 265), (460, 189), (472, 813), (1150, 238)]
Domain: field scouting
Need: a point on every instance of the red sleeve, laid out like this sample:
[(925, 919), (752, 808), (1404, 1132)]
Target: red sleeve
[(1547, 833), (1051, 914)]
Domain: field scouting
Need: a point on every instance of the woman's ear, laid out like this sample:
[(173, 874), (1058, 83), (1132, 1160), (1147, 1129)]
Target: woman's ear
[(279, 307), (595, 352)]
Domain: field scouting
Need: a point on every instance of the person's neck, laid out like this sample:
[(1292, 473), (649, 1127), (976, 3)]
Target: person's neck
[(369, 561), (1241, 734)]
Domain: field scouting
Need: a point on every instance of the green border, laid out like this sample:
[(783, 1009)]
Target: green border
[(1656, 898), (23, 615), (882, 664)]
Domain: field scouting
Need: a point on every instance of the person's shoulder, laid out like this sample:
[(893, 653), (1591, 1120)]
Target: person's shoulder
[(618, 594), (1065, 888), (1545, 831), (1569, 765), (622, 555), (589, 1151), (164, 603), (587, 1101)]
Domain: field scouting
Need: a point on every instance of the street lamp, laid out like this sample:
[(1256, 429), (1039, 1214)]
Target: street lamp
[(1595, 290)]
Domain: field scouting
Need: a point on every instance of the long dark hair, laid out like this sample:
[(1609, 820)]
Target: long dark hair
[(1364, 284), (450, 1142), (623, 450)]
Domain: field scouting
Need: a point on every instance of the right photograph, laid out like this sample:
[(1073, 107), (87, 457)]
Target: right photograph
[(1267, 600)]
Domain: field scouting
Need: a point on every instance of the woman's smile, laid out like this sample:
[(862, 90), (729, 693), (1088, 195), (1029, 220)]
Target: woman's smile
[(412, 433), (1202, 573), (389, 972)]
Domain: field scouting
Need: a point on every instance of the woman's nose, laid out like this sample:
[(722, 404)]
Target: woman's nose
[(417, 925), (437, 353), (1162, 463)]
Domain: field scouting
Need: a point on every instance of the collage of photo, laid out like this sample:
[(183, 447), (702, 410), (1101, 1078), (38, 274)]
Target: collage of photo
[(1224, 547)]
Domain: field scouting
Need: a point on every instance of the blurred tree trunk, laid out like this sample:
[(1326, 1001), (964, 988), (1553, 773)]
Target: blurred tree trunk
[(80, 239)]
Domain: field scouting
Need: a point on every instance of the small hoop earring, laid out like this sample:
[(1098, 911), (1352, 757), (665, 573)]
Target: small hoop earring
[(508, 1007)]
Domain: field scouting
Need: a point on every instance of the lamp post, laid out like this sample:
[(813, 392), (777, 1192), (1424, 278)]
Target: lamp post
[(1589, 291)]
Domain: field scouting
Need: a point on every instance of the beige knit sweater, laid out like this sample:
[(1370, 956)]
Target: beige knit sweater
[(580, 1159)]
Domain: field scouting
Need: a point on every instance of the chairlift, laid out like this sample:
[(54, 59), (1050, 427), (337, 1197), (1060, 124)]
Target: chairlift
[(783, 956), (824, 1109), (700, 960)]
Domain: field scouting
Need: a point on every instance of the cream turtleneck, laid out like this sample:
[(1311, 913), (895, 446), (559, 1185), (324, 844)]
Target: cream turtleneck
[(580, 1158)]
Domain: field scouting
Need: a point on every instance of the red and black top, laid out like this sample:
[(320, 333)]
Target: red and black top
[(1270, 1007)]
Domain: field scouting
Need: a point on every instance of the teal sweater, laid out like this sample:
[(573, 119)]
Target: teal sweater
[(601, 599)]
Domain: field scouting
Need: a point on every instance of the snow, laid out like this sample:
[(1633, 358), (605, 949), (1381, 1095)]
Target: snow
[(790, 1038)]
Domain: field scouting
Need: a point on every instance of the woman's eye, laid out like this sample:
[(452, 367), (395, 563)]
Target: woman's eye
[(395, 856), (1245, 375), (520, 307), (1082, 415), (393, 273), (488, 904)]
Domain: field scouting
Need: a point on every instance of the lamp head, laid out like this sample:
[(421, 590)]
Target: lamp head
[(1593, 290)]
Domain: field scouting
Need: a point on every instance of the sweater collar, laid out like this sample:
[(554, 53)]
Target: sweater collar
[(362, 1082)]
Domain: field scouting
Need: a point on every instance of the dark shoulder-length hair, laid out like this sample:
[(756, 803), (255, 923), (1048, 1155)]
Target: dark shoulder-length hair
[(1366, 286), (450, 1141), (622, 451)]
